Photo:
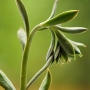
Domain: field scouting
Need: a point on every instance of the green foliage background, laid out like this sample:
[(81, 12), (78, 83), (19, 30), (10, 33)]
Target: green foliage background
[(71, 76)]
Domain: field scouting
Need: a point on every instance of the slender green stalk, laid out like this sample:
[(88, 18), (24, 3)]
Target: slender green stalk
[(25, 59), (34, 31), (24, 68), (40, 72)]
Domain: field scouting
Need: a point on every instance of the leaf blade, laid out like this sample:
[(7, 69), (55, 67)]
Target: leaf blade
[(53, 9), (65, 44), (51, 15), (77, 43), (57, 50), (77, 50), (46, 82), (64, 55), (61, 18), (5, 82), (24, 15), (73, 30), (52, 45)]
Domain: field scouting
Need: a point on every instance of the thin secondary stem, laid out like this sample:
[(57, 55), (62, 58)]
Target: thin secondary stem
[(47, 64)]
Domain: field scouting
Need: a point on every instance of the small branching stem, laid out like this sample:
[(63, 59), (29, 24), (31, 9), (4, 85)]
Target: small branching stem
[(47, 64)]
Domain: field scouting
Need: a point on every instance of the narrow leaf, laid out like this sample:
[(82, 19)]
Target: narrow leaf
[(61, 18), (65, 44), (57, 49), (57, 52), (5, 82), (77, 50), (52, 14), (77, 43), (24, 15), (58, 58), (64, 55), (52, 44), (46, 82), (73, 30), (53, 9), (43, 28), (22, 37)]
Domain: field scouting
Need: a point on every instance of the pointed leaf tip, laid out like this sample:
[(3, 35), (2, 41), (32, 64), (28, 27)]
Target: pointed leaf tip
[(77, 43), (61, 18), (65, 43), (46, 82), (24, 15), (53, 9), (5, 82), (73, 30)]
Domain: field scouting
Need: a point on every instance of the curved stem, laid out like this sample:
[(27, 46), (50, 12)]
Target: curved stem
[(34, 31), (25, 58), (40, 72)]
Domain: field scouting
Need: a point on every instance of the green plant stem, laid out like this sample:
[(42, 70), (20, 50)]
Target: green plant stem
[(25, 59), (47, 64), (34, 31), (24, 68)]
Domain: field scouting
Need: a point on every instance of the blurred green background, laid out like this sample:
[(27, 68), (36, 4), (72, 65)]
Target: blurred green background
[(71, 76)]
